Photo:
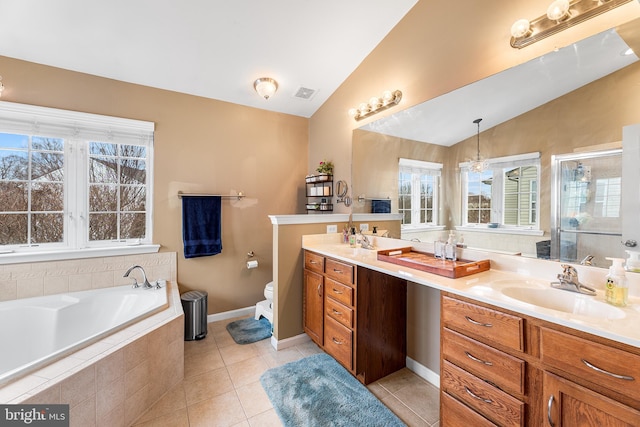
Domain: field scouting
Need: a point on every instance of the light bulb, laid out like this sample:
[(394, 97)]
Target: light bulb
[(374, 102), (363, 108), (387, 96), (353, 112), (558, 10), (521, 28)]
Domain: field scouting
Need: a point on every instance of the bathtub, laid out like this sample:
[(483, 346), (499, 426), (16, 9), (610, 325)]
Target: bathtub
[(37, 331)]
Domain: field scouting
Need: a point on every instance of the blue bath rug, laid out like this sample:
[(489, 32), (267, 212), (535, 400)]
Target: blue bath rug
[(317, 391), (246, 331)]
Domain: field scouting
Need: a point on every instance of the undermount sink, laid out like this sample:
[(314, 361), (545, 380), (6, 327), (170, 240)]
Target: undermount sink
[(542, 295)]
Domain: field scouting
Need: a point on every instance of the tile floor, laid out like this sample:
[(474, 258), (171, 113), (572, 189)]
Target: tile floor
[(222, 388)]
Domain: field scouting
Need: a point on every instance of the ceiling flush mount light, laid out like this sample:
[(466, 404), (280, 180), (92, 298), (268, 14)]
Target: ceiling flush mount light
[(561, 14), (375, 105), (265, 87), (477, 165)]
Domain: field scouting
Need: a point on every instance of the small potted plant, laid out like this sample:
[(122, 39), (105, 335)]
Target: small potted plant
[(325, 169)]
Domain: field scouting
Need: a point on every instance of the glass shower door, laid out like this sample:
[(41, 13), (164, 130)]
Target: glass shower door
[(586, 206)]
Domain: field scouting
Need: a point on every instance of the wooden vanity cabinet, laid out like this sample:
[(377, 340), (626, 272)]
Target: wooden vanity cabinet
[(487, 380), (363, 316), (515, 370), (571, 405), (313, 302)]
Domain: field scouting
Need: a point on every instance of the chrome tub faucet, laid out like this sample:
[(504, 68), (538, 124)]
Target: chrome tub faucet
[(145, 283)]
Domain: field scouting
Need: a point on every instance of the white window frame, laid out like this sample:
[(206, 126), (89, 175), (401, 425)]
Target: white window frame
[(77, 129), (498, 166), (418, 168)]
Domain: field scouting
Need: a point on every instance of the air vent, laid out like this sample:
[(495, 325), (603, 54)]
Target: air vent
[(304, 93)]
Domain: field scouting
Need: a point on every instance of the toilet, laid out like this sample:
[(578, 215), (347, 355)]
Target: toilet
[(265, 308)]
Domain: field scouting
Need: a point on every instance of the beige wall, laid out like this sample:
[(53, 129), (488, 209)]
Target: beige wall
[(201, 145)]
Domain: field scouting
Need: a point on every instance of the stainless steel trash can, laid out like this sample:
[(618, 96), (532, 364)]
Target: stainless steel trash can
[(194, 304)]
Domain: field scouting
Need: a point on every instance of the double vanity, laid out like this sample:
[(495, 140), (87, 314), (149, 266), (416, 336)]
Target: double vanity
[(513, 350)]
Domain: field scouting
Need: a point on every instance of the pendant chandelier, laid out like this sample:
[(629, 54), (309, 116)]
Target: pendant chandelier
[(477, 165)]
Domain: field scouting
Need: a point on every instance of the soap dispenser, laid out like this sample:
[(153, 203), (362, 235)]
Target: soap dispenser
[(616, 290), (450, 247), (633, 262)]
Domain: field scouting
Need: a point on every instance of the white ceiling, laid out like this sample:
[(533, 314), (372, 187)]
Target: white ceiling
[(209, 48), (448, 119)]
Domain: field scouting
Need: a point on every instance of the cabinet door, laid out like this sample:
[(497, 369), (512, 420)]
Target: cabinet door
[(313, 306), (571, 405)]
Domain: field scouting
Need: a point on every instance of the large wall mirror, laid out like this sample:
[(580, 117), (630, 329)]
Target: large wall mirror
[(554, 181)]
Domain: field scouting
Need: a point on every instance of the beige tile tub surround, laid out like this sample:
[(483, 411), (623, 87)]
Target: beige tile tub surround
[(55, 277), (113, 381)]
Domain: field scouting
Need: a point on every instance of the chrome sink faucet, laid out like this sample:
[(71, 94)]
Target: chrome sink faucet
[(365, 243), (145, 283), (568, 281)]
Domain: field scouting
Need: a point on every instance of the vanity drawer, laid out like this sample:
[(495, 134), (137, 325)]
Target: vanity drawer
[(491, 402), (339, 292), (488, 324), (339, 312), (457, 414), (339, 271), (338, 342), (501, 369), (572, 354), (313, 262)]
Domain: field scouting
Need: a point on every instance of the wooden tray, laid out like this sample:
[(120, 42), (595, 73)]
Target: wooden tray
[(425, 261)]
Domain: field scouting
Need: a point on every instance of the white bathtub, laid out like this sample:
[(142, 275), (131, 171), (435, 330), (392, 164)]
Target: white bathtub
[(36, 331)]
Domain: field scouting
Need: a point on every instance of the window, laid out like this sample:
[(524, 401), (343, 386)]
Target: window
[(506, 192), (71, 181), (608, 197), (478, 197), (418, 184)]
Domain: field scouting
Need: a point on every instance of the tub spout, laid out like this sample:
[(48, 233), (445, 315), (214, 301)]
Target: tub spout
[(145, 284)]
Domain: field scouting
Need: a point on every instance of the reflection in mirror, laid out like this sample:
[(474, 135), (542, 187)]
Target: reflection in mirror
[(576, 100), (586, 205)]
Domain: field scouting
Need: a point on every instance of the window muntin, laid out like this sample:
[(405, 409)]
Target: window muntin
[(72, 180)]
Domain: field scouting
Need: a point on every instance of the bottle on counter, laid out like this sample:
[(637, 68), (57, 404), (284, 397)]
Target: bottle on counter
[(633, 262), (352, 237), (616, 289), (450, 248)]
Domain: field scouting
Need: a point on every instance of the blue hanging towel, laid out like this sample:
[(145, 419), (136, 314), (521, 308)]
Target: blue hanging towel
[(201, 226)]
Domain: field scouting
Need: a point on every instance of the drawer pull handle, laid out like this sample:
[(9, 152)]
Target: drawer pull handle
[(549, 406), (335, 291), (336, 312), (320, 289), (602, 371), (475, 359), (475, 322), (475, 396), (335, 270), (312, 262), (337, 341)]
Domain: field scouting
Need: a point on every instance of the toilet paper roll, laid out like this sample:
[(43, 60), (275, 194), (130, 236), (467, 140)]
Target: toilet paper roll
[(252, 264)]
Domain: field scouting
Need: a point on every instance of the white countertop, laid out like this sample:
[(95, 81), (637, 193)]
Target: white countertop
[(505, 271)]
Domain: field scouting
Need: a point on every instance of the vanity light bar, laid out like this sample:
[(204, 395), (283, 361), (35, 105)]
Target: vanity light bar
[(524, 33), (375, 105)]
